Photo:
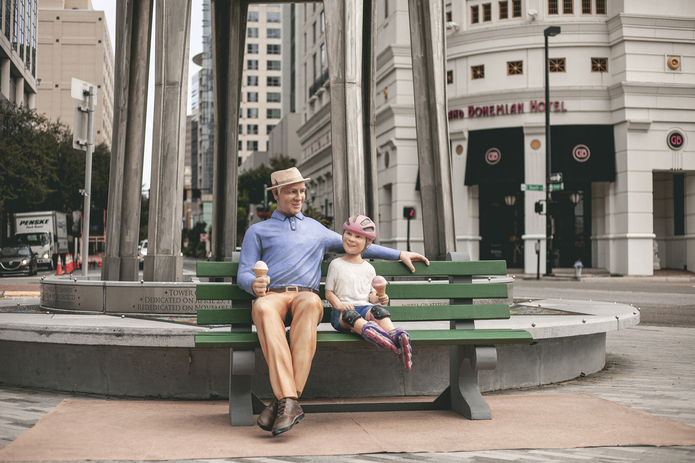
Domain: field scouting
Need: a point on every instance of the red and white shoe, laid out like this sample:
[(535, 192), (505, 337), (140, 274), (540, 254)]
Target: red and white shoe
[(401, 339)]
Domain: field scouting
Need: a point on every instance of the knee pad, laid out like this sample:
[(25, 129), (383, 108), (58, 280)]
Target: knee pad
[(378, 313), (350, 317)]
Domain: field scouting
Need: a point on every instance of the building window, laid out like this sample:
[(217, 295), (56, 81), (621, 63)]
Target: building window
[(240, 146), (273, 49), (556, 64), (679, 205), (449, 77), (252, 81), (252, 48), (252, 113), (252, 97), (323, 56), (475, 19), (273, 97), (313, 28), (252, 32), (273, 65), (386, 8), (274, 33), (586, 6), (600, 6), (241, 129), (272, 81), (252, 129), (253, 16), (272, 113), (552, 7), (599, 64), (448, 16), (478, 72), (252, 145), (323, 22), (273, 16), (504, 11), (252, 65), (516, 5), (269, 129), (487, 12), (567, 7), (515, 68)]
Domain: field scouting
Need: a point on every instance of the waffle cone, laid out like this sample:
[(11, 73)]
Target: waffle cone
[(381, 290), (260, 272)]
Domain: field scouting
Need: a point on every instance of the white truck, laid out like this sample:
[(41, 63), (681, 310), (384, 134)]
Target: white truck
[(45, 232)]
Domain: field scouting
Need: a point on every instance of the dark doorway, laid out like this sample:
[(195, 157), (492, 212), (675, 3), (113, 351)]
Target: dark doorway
[(502, 223), (572, 232)]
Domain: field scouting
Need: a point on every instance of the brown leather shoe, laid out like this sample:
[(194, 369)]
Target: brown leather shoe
[(289, 413), (267, 417)]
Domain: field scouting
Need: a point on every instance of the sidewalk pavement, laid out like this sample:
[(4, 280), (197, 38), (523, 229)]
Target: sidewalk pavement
[(647, 368)]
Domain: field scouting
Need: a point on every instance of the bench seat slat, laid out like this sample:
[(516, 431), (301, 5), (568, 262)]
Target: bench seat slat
[(229, 291), (241, 340), (398, 313), (485, 267)]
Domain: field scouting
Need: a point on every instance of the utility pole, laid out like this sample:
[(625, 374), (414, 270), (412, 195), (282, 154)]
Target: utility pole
[(551, 31), (86, 95)]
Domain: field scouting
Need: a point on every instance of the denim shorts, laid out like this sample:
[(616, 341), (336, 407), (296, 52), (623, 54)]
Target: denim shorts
[(335, 315)]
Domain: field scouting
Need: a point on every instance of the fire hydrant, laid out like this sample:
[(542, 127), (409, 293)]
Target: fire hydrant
[(578, 268)]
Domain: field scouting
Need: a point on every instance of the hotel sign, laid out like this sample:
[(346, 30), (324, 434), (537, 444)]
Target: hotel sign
[(533, 106)]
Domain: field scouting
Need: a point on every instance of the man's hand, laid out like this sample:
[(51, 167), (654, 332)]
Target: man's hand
[(259, 285), (407, 257)]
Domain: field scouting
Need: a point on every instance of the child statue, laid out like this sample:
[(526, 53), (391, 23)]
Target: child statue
[(358, 295)]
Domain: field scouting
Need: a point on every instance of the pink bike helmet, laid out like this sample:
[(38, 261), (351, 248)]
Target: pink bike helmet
[(361, 225)]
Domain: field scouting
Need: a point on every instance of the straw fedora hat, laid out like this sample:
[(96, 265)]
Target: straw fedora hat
[(289, 176)]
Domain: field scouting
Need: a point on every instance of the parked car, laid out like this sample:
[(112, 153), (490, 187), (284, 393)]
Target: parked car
[(15, 260)]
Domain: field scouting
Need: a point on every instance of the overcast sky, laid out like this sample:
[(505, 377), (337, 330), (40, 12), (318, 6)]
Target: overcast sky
[(109, 9)]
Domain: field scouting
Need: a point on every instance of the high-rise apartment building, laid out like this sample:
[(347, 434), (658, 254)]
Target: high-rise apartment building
[(74, 42), (18, 28)]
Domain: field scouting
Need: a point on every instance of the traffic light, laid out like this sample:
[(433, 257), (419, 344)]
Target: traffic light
[(538, 207), (408, 212)]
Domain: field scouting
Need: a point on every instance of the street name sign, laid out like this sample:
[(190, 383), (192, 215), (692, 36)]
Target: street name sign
[(531, 187)]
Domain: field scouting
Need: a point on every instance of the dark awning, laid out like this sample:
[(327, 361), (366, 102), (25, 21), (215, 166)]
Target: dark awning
[(583, 153), (495, 156)]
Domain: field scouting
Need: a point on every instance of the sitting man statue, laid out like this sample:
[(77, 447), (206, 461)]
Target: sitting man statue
[(293, 247)]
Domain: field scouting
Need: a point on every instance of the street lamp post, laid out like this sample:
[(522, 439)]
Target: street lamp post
[(551, 31)]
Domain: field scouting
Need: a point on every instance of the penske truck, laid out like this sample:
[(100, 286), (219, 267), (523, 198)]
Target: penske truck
[(45, 232)]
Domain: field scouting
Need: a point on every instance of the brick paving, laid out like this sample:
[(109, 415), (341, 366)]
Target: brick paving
[(647, 368)]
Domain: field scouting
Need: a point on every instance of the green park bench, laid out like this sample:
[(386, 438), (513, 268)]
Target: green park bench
[(471, 349)]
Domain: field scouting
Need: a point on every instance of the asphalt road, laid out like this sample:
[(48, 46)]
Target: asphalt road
[(661, 303)]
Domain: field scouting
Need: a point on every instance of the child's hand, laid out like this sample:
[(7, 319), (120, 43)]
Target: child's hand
[(384, 300), (373, 298), (345, 307)]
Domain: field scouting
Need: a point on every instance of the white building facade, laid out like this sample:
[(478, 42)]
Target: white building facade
[(622, 92)]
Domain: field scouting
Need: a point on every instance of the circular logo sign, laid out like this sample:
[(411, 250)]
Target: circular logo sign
[(581, 153), (493, 156), (675, 140)]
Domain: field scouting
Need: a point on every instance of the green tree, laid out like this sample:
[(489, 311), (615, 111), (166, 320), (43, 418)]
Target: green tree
[(39, 168)]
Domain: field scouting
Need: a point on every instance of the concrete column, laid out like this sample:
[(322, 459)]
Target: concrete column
[(32, 100), (131, 72), (428, 48), (228, 44), (5, 65), (351, 43), (19, 94), (632, 231), (534, 224), (466, 204), (164, 261)]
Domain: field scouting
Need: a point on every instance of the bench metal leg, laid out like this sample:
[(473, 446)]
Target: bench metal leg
[(241, 369), (464, 363)]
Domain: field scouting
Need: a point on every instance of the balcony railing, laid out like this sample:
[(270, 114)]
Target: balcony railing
[(318, 83)]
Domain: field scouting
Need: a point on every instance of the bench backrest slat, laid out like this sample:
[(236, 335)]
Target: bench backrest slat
[(229, 291), (438, 268), (398, 313)]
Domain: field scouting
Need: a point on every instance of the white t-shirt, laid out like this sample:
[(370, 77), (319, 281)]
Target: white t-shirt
[(351, 283)]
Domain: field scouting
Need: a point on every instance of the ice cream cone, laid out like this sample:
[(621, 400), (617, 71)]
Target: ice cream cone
[(380, 291), (260, 272)]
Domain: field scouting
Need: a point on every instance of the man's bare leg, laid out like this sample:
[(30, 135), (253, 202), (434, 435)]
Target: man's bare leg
[(269, 313), (307, 311)]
